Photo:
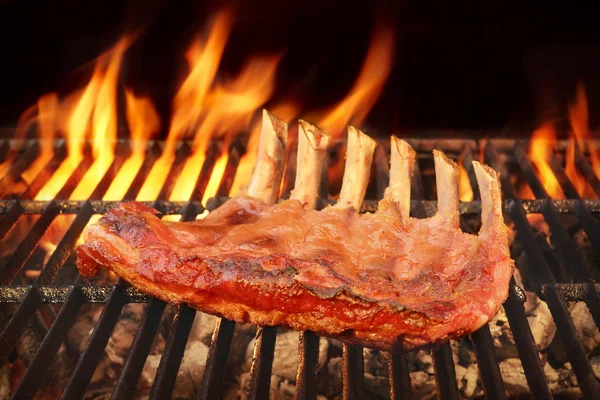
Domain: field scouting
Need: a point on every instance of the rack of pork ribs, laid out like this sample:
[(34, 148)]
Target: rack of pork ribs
[(384, 280)]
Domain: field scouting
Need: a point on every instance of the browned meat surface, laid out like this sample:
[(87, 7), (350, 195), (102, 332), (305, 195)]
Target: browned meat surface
[(384, 280)]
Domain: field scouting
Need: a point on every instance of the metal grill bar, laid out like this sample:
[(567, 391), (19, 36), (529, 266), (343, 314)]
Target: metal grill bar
[(52, 342), (513, 306), (136, 185), (33, 298), (180, 158), (122, 152), (352, 372), (230, 169), (207, 168), (86, 365), (44, 176), (13, 211), (400, 387), (140, 347), (176, 207), (216, 362), (262, 363), (89, 359), (445, 376), (586, 170), (166, 375), (488, 366), (75, 178), (65, 247), (12, 178), (308, 358), (583, 371), (516, 298), (561, 239), (11, 268), (575, 351)]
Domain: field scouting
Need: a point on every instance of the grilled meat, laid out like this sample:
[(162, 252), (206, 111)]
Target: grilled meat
[(384, 280)]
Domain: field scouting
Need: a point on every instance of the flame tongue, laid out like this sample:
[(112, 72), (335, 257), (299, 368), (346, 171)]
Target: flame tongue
[(353, 109), (578, 116), (543, 143), (47, 114), (204, 107), (143, 122), (95, 108), (229, 109)]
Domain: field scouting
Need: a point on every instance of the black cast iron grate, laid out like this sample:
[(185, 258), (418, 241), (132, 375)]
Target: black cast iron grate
[(555, 287)]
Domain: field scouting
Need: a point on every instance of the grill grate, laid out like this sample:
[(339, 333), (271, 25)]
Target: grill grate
[(571, 281)]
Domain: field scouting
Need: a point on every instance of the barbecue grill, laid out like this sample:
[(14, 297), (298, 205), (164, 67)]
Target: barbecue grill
[(59, 283)]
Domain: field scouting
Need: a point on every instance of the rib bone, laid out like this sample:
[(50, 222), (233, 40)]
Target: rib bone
[(359, 156), (268, 170), (312, 143), (402, 162), (446, 176), (488, 181)]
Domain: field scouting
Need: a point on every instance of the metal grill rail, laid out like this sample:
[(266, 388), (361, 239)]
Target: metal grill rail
[(555, 287)]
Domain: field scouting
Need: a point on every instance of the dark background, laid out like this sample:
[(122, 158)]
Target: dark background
[(469, 66)]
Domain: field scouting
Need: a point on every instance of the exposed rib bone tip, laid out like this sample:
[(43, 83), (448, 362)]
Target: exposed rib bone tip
[(492, 173), (270, 159), (402, 162), (312, 143), (280, 127), (318, 139), (359, 157), (446, 176), (488, 181)]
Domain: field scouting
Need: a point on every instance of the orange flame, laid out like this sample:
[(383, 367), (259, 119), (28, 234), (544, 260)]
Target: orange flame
[(543, 143), (47, 113), (204, 57), (143, 121), (465, 192), (104, 126), (95, 106), (230, 109), (578, 116), (357, 104)]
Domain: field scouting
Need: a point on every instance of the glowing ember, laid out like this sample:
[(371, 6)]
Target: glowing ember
[(543, 143), (538, 222), (143, 122)]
